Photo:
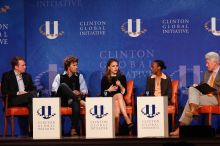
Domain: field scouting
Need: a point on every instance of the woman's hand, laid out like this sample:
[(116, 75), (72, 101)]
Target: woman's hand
[(118, 83), (112, 88)]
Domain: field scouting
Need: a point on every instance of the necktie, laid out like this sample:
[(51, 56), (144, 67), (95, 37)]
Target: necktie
[(211, 82)]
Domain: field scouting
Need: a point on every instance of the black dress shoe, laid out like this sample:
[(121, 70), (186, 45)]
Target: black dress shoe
[(130, 126)]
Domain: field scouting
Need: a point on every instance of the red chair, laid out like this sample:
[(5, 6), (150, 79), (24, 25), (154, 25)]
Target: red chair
[(129, 98), (173, 109), (210, 109), (12, 112)]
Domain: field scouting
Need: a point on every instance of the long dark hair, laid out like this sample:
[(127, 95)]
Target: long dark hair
[(107, 73)]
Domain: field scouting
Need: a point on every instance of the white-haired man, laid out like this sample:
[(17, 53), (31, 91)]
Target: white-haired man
[(195, 97)]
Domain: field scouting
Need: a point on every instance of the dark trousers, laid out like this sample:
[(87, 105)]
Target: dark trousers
[(24, 100), (66, 94)]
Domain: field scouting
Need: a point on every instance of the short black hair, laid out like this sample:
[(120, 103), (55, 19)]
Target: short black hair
[(15, 60), (161, 64)]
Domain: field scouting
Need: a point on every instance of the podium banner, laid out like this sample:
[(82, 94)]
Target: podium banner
[(46, 118), (152, 116), (100, 120)]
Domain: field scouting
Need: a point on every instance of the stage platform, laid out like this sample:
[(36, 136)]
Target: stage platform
[(118, 141)]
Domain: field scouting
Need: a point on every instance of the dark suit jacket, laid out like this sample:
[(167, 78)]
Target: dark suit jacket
[(166, 87), (9, 85), (206, 77)]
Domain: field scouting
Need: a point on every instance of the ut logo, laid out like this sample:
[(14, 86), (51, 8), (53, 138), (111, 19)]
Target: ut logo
[(47, 31), (150, 111), (98, 111), (213, 27), (45, 112), (129, 30)]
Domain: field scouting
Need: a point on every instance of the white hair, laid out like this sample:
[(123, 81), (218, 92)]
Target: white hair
[(212, 56)]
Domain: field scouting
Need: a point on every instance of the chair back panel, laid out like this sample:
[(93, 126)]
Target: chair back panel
[(129, 92)]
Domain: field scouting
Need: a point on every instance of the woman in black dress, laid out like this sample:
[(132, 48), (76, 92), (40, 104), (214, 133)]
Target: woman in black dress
[(113, 84)]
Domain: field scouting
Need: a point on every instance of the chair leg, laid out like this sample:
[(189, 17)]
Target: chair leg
[(5, 125), (173, 121), (12, 126), (210, 119), (130, 116), (81, 127), (84, 125)]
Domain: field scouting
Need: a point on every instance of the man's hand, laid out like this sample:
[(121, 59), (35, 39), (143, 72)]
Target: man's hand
[(21, 92), (76, 93), (194, 85)]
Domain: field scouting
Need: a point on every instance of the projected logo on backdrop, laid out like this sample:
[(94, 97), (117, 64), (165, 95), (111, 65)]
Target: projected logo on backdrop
[(42, 112), (150, 111), (4, 9), (212, 24), (129, 26), (98, 111), (47, 31)]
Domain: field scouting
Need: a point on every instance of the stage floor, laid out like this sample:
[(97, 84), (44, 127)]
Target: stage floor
[(117, 141)]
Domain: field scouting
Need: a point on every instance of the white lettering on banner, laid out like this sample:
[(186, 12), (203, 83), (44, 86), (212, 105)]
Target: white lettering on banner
[(4, 34), (135, 63), (92, 28), (3, 26), (124, 54), (175, 26), (3, 41), (58, 3)]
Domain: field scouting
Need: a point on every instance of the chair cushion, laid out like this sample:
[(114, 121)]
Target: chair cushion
[(209, 109), (17, 111), (68, 111)]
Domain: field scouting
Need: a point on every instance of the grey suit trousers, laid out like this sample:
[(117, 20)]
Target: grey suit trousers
[(196, 97)]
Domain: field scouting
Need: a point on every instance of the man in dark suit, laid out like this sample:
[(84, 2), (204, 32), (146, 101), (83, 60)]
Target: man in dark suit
[(19, 87), (195, 97)]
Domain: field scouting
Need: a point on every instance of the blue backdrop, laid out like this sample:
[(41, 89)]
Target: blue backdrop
[(179, 32)]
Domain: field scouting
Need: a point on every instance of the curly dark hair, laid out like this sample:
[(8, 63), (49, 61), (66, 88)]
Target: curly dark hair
[(68, 60)]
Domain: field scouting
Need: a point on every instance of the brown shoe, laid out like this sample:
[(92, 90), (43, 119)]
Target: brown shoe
[(73, 132), (176, 132)]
